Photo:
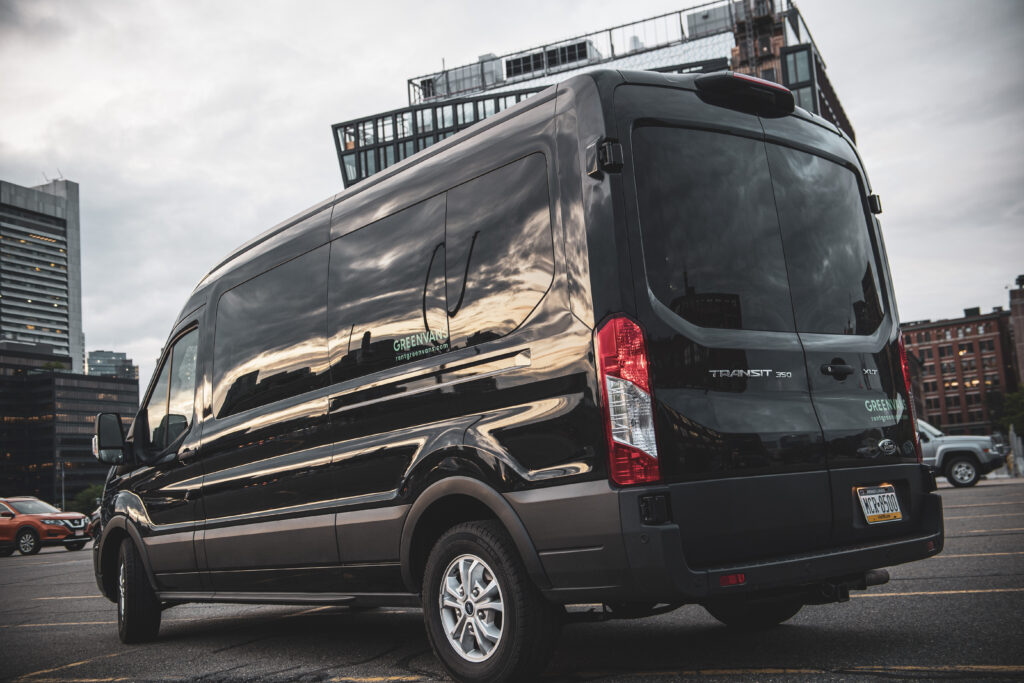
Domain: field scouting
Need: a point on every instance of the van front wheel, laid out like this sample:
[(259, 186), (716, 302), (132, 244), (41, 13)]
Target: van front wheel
[(138, 610), (753, 615), (485, 619)]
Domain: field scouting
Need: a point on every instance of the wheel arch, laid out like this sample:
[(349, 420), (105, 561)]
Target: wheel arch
[(114, 532), (449, 502)]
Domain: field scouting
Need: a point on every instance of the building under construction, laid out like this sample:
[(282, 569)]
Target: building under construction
[(764, 38)]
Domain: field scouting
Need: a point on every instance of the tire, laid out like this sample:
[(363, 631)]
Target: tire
[(138, 610), (27, 542), (508, 630), (962, 471), (754, 615), (75, 546)]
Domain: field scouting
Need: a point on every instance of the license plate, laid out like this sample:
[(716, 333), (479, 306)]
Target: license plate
[(79, 533), (879, 504)]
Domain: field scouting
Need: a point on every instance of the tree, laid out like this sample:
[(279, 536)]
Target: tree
[(85, 501), (1013, 411)]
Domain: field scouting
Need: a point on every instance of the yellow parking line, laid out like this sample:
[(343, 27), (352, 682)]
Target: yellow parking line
[(375, 679), (32, 676), (983, 505), (75, 597), (956, 592), (1002, 514), (942, 555), (990, 531), (774, 671)]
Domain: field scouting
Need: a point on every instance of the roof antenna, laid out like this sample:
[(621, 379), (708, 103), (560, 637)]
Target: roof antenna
[(44, 177), (60, 174)]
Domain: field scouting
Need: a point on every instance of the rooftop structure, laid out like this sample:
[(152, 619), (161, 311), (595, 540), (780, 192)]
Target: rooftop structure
[(764, 38)]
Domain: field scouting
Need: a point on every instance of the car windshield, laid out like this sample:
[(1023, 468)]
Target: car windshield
[(32, 507)]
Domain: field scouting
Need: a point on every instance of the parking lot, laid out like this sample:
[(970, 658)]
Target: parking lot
[(959, 615)]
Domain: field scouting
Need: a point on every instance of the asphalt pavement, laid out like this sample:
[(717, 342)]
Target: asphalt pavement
[(959, 615)]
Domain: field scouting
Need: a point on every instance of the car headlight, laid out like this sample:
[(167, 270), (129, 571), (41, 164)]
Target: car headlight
[(53, 522)]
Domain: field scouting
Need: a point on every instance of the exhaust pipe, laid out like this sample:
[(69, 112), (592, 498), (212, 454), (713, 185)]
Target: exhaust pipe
[(876, 577)]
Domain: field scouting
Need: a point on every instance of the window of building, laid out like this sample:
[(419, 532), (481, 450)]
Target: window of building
[(928, 353), (368, 162), (947, 334), (804, 98), (487, 108), (975, 416), (945, 351), (500, 262), (953, 401), (351, 168), (987, 345), (426, 141), (425, 120), (769, 75), (404, 123), (445, 116), (406, 149), (387, 292), (387, 156), (366, 136), (385, 129), (348, 137), (798, 68), (270, 340), (466, 113), (965, 347)]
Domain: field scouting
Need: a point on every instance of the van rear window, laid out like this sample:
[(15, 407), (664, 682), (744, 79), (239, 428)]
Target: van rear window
[(740, 234)]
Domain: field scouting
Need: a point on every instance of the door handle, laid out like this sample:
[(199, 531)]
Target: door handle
[(187, 455), (837, 370)]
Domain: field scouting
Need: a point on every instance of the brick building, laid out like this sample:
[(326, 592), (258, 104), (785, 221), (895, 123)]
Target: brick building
[(963, 360)]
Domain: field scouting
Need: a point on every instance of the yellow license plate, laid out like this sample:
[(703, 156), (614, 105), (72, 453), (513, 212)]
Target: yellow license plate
[(879, 504)]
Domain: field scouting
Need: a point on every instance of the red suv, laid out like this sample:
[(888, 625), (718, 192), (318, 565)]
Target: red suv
[(27, 524)]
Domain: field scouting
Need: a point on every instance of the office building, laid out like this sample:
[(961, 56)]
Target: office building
[(964, 361), (46, 421), (111, 364), (40, 268), (764, 38)]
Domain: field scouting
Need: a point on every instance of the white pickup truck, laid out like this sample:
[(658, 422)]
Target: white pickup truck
[(962, 460)]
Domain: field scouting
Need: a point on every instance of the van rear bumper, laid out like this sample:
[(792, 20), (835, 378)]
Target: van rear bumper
[(630, 560), (659, 569)]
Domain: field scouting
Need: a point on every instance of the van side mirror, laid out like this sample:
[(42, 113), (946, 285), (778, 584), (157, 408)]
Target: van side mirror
[(108, 439)]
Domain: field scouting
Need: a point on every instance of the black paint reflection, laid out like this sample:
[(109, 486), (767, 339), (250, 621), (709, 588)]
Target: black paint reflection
[(387, 293), (500, 255), (270, 341), (710, 232), (828, 248)]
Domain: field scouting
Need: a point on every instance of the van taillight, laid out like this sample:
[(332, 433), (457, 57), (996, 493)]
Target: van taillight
[(910, 395), (628, 406)]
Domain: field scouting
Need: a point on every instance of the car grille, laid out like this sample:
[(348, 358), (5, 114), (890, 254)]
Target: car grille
[(74, 524)]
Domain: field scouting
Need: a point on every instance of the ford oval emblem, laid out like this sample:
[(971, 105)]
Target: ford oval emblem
[(887, 446)]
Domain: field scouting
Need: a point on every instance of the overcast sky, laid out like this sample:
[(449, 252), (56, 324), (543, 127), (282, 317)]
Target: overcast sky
[(193, 126)]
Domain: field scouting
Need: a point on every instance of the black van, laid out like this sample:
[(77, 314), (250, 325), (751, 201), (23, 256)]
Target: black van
[(631, 342)]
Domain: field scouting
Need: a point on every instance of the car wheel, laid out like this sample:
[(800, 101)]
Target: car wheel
[(138, 610), (27, 542), (962, 471), (485, 619), (751, 615), (75, 546)]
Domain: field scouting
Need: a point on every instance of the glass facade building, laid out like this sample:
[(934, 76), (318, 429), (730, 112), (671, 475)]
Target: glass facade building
[(46, 422), (40, 268), (111, 364), (764, 38)]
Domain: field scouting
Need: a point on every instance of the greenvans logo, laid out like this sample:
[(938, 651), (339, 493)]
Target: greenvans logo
[(886, 409), (420, 344)]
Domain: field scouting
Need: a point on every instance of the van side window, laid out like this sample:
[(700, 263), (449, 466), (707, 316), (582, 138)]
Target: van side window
[(270, 338), (169, 410), (386, 295), (500, 252)]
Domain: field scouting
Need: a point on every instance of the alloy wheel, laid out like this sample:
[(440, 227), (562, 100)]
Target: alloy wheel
[(472, 608)]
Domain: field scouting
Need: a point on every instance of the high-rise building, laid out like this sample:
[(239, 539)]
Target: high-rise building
[(111, 364), (41, 269), (764, 38), (964, 361), (46, 421)]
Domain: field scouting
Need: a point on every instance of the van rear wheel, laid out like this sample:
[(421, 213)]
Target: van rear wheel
[(138, 610), (485, 619), (754, 615)]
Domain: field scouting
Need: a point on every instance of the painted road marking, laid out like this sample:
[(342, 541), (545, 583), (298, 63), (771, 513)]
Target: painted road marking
[(75, 597), (1015, 552), (956, 592), (1002, 514), (988, 531), (697, 673), (32, 676), (983, 505)]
